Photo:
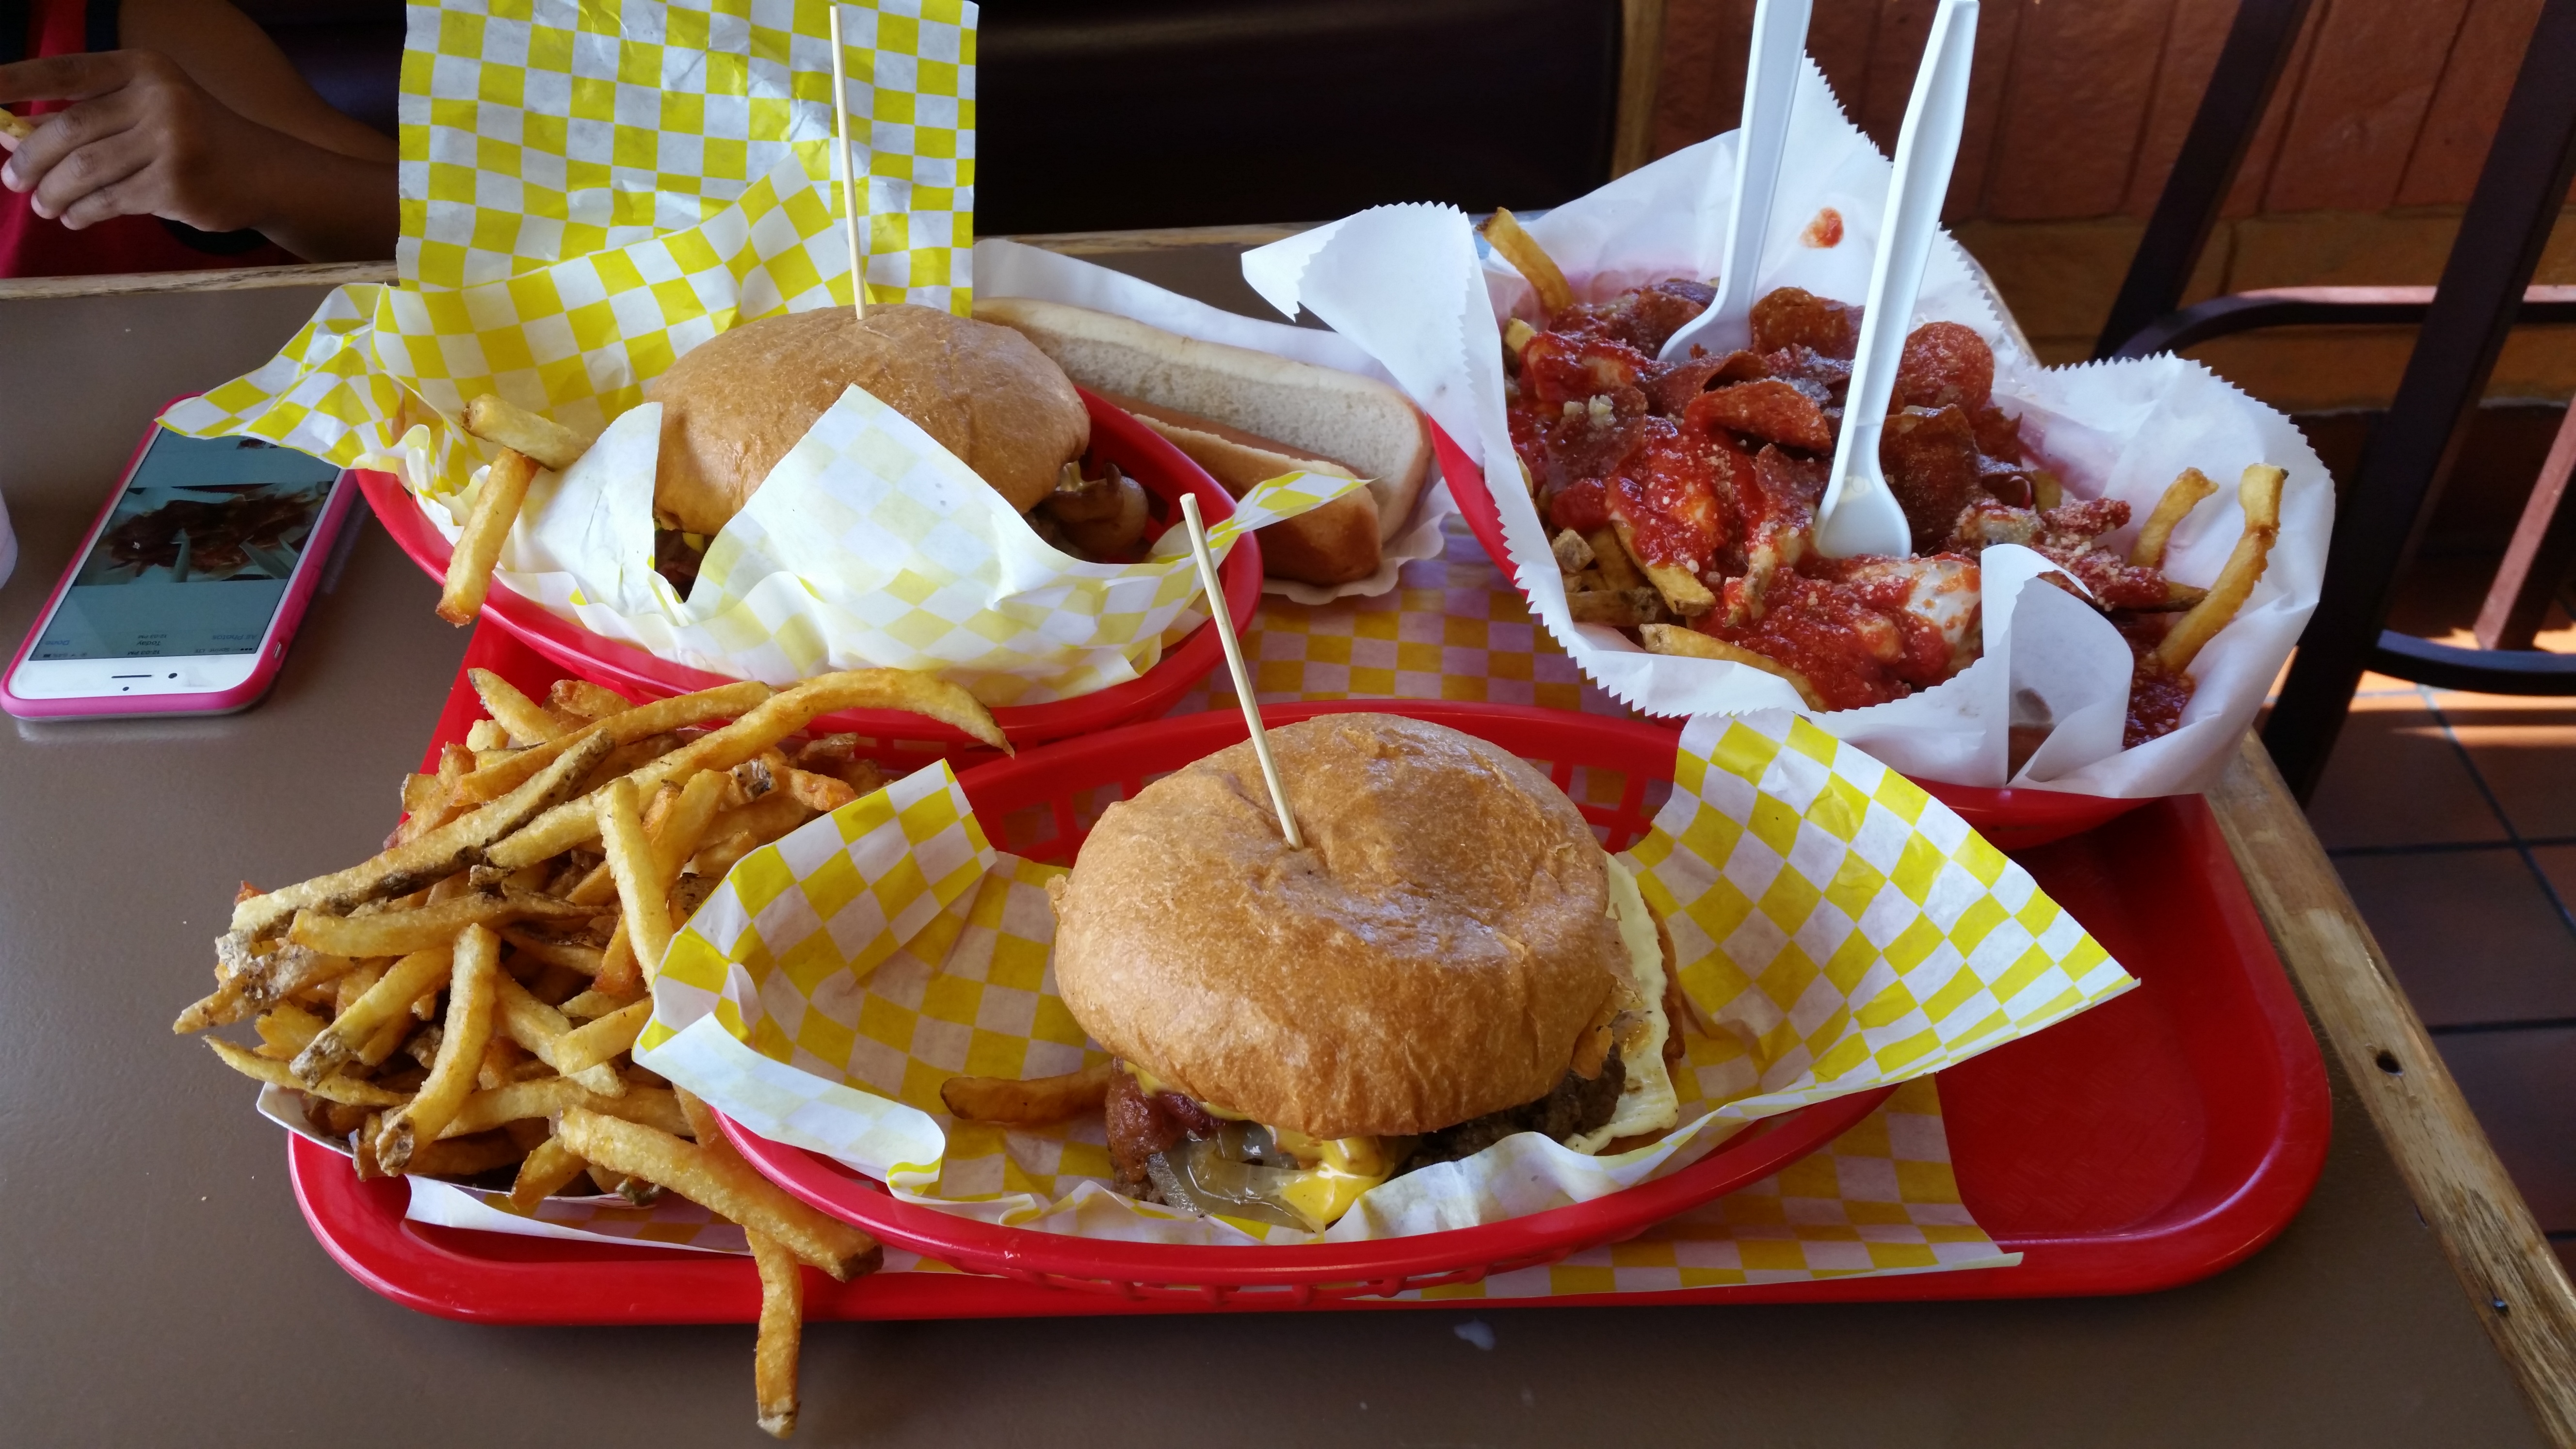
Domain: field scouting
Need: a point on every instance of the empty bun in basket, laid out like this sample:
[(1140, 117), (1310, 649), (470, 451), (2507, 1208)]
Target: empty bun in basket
[(734, 405), (1431, 955)]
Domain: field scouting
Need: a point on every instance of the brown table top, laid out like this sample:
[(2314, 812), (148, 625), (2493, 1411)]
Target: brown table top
[(163, 1288)]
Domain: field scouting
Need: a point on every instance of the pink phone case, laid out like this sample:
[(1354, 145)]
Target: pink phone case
[(272, 648)]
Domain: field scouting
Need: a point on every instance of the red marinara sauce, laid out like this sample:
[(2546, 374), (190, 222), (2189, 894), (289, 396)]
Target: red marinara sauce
[(2156, 696)]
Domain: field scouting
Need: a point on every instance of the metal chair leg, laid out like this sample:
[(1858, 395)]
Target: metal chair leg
[(2543, 549)]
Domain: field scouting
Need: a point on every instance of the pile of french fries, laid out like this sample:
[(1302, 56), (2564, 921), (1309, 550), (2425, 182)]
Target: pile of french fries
[(463, 1005)]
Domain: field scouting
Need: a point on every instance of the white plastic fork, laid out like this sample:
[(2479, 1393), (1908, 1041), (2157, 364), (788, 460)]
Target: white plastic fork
[(1859, 514), (1770, 81)]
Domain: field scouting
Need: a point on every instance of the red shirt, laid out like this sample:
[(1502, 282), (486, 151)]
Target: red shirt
[(30, 245)]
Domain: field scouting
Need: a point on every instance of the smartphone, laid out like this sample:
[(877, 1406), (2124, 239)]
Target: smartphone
[(185, 592)]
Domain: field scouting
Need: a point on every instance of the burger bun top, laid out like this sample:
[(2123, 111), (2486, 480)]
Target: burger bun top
[(1430, 956), (735, 404)]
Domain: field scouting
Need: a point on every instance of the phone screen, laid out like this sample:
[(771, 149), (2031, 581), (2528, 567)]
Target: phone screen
[(197, 555)]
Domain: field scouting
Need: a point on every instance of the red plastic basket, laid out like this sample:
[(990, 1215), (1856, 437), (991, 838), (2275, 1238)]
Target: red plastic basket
[(1139, 451), (1041, 805), (2008, 817)]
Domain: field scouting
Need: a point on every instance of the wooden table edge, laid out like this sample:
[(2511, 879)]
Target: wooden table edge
[(2515, 1283)]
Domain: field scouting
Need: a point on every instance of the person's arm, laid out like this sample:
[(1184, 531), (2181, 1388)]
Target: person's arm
[(224, 137)]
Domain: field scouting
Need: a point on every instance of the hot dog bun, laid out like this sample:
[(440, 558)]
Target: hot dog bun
[(1235, 411), (1334, 544)]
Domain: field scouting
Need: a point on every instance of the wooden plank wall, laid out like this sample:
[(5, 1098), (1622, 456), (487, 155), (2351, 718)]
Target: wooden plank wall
[(2079, 105)]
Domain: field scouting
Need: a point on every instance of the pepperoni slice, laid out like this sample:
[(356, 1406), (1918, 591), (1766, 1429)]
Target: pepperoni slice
[(1945, 365)]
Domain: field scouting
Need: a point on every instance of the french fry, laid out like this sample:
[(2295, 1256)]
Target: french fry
[(1625, 609), (640, 890), (1681, 639), (471, 989), (764, 819), (395, 933), (570, 955), (1573, 554), (254, 980), (677, 836), (421, 790), (502, 1059), (716, 1178), (782, 1331), (590, 701), (286, 1029), (1530, 260), (759, 729), (1034, 1102), (18, 127), (620, 974), (497, 420), (538, 1027), (1516, 337), (520, 1101), (2259, 493), (819, 793), (593, 1004), (433, 857), (660, 717), (459, 1156), (1618, 570), (487, 526), (548, 1168), (2180, 498), (1680, 589), (592, 1044), (358, 1023), (723, 852), (333, 1088), (527, 722)]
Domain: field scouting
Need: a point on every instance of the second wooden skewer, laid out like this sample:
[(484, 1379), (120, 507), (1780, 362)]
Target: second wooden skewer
[(1223, 622)]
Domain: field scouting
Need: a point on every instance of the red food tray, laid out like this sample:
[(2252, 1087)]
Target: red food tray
[(2008, 817), (1116, 437), (2149, 1142)]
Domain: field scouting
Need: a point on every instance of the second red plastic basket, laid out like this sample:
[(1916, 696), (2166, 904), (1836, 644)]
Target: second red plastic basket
[(1141, 453)]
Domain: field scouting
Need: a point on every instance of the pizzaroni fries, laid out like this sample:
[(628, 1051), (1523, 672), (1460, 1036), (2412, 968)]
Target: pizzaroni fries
[(464, 1005)]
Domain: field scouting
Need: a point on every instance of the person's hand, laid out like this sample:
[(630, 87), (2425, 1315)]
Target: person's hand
[(143, 139)]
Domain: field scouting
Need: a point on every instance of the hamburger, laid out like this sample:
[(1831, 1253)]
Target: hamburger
[(734, 405), (1450, 960)]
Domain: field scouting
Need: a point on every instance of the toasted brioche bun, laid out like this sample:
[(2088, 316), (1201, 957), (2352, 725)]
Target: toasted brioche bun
[(1295, 407), (1432, 955), (735, 404)]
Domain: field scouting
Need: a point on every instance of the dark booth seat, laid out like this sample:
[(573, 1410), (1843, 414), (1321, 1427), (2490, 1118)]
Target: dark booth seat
[(1100, 114)]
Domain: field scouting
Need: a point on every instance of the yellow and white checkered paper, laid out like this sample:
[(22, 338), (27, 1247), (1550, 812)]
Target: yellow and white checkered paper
[(1838, 930), (1880, 1199)]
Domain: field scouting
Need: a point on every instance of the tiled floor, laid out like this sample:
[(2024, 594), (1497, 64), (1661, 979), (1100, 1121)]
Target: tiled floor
[(2452, 818)]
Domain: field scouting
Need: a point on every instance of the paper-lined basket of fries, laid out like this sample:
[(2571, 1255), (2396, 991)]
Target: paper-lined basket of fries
[(1659, 512)]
